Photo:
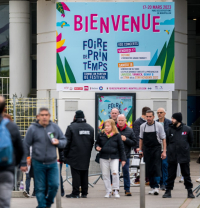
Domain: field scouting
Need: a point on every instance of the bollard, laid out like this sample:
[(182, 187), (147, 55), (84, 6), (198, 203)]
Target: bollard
[(58, 195), (16, 179), (142, 183)]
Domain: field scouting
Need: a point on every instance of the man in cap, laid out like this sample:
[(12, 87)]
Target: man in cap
[(179, 140), (80, 137)]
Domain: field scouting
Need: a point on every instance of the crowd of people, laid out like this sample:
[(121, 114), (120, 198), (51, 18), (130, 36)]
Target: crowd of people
[(163, 143)]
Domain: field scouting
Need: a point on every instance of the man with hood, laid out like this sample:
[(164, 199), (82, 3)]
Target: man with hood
[(179, 140), (44, 136), (80, 138)]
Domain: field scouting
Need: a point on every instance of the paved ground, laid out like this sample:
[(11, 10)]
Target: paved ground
[(95, 198)]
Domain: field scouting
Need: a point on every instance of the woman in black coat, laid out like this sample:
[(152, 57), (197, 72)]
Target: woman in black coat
[(111, 148)]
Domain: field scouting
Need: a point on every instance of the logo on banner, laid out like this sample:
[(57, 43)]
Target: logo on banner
[(86, 88), (184, 133), (100, 88), (78, 88)]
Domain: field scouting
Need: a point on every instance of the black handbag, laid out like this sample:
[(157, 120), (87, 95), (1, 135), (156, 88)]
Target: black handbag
[(198, 160), (97, 159)]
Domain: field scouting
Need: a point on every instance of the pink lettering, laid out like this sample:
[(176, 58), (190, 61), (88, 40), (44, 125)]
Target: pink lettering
[(143, 22), (78, 22), (92, 21), (115, 25), (133, 23), (124, 22), (86, 23), (155, 23), (104, 25)]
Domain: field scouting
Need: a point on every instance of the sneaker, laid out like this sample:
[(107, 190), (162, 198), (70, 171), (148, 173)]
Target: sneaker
[(147, 183), (156, 191), (33, 194), (116, 194), (151, 191), (72, 196), (83, 196), (128, 193), (138, 182), (62, 193), (108, 195), (26, 194), (162, 187), (198, 180), (181, 180), (167, 194), (190, 194)]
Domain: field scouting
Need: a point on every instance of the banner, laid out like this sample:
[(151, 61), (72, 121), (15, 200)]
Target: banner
[(115, 46), (105, 102)]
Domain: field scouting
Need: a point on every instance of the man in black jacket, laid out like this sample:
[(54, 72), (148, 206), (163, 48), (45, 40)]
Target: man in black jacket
[(7, 172), (129, 140), (179, 140), (80, 137), (165, 122)]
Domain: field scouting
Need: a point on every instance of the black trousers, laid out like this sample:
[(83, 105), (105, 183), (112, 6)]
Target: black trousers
[(185, 171), (79, 178)]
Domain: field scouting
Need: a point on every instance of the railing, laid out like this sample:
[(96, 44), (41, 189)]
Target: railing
[(196, 143)]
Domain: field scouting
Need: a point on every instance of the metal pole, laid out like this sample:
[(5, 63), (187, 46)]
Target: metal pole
[(142, 184), (14, 115), (58, 196)]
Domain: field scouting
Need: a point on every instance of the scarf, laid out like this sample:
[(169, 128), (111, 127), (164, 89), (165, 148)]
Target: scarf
[(109, 135), (121, 129)]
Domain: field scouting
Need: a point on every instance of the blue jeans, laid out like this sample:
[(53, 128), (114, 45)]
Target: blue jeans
[(154, 182), (163, 179), (45, 173), (61, 180), (126, 175), (28, 181)]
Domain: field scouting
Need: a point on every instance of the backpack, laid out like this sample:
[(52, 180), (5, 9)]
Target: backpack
[(6, 147)]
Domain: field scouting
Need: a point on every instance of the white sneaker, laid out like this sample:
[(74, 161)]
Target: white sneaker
[(181, 180), (156, 191), (108, 195), (116, 194), (151, 191), (198, 180)]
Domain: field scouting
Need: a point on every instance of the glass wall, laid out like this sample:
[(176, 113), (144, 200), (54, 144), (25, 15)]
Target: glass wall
[(4, 50)]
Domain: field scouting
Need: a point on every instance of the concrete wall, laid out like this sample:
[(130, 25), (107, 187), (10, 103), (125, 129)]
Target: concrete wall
[(180, 58), (46, 57)]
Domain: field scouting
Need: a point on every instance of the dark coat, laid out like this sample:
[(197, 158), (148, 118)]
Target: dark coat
[(17, 146), (167, 122), (179, 141), (130, 140), (136, 129), (80, 138), (114, 149)]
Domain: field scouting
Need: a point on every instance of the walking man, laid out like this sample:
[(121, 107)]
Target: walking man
[(152, 135), (10, 135), (44, 136), (165, 122), (80, 137), (129, 140), (179, 140)]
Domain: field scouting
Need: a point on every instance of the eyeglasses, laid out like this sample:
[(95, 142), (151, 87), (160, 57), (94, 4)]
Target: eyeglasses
[(160, 112)]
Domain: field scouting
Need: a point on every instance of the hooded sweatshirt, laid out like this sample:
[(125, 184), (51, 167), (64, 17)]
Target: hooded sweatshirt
[(42, 148)]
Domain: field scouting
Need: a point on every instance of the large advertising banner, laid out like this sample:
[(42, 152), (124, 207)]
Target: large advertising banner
[(115, 46)]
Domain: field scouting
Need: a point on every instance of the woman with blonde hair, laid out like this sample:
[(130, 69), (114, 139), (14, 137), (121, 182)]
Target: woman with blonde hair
[(111, 148)]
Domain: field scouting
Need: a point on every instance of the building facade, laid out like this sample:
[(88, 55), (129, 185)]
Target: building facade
[(28, 60)]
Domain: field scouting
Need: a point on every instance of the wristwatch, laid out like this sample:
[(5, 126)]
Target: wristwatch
[(140, 151)]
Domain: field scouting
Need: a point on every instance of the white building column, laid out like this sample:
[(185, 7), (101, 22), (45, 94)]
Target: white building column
[(19, 14)]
